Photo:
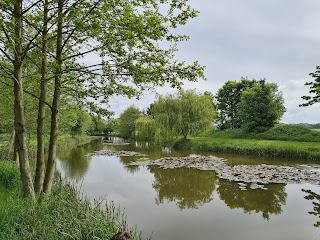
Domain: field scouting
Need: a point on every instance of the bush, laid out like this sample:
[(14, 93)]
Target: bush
[(290, 132), (9, 174)]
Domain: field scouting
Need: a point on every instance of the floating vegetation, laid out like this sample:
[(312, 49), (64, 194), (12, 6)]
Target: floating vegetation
[(117, 153), (256, 175)]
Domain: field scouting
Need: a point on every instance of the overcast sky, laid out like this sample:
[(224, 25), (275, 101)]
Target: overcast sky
[(276, 40)]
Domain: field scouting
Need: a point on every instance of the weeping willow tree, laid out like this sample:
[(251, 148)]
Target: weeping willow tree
[(182, 114), (145, 129)]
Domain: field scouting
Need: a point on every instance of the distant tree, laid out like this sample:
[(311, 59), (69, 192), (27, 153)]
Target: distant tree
[(182, 114), (150, 110), (145, 128), (127, 122), (112, 125), (227, 103), (261, 106), (98, 125)]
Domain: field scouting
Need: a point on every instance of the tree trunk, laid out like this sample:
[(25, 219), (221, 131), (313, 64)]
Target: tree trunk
[(39, 179), (50, 173), (19, 119)]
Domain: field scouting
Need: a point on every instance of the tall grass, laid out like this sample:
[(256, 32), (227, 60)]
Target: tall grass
[(268, 148), (61, 215)]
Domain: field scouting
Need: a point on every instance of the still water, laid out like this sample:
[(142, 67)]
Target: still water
[(189, 204)]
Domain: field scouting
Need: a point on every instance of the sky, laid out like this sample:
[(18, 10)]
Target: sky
[(276, 40)]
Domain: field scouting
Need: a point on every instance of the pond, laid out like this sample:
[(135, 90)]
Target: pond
[(189, 204)]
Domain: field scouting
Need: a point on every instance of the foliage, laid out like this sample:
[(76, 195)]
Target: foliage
[(145, 129), (49, 39), (182, 114), (74, 120), (249, 104), (261, 107), (314, 92), (127, 122), (283, 132), (112, 126), (9, 174), (98, 125), (63, 215), (227, 102)]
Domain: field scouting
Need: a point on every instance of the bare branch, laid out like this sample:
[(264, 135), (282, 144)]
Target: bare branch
[(30, 7), (6, 54), (26, 91)]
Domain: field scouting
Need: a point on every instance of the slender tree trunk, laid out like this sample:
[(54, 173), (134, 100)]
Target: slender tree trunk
[(50, 173), (19, 119), (39, 179)]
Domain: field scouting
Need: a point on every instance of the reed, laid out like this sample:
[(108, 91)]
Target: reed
[(64, 214), (267, 148)]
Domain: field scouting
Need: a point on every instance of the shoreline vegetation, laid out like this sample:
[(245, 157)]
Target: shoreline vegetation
[(284, 141), (64, 214)]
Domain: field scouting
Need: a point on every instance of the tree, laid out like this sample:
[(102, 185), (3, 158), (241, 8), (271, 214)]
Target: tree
[(314, 91), (144, 128), (127, 122), (261, 106), (123, 35), (182, 114), (227, 102)]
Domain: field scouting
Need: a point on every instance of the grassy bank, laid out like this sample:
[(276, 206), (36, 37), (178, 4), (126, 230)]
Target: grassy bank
[(62, 215), (268, 148), (64, 142), (281, 132)]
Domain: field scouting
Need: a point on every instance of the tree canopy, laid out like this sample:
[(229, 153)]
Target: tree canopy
[(261, 106), (182, 114), (127, 122), (131, 45), (249, 104), (227, 102)]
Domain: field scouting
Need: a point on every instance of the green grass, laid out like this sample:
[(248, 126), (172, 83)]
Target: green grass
[(283, 132), (61, 215), (268, 148)]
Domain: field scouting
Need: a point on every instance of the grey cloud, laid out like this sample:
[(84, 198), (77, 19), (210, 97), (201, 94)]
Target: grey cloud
[(274, 39)]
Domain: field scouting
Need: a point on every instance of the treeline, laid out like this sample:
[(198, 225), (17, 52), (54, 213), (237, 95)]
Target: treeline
[(74, 120), (168, 118), (251, 105)]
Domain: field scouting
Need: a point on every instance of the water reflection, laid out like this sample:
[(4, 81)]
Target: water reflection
[(126, 160), (315, 198), (76, 162), (260, 201), (189, 188)]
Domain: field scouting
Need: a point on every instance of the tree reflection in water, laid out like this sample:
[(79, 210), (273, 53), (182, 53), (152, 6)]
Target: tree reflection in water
[(315, 198), (76, 162), (129, 168), (189, 188), (265, 201)]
